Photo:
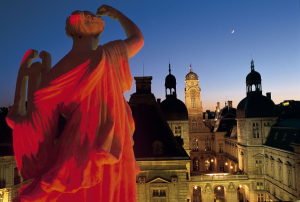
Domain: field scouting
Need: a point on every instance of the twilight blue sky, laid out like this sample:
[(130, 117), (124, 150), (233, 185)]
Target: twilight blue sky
[(186, 32)]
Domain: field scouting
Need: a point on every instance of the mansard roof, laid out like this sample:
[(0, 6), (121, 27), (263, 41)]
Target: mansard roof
[(283, 134)]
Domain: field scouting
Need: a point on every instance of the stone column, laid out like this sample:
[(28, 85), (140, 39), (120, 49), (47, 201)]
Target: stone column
[(141, 189)]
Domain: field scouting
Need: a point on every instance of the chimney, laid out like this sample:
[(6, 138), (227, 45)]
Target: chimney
[(229, 104), (143, 84), (206, 116), (268, 95), (158, 101)]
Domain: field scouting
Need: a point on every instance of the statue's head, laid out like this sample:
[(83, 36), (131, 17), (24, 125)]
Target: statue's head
[(84, 23)]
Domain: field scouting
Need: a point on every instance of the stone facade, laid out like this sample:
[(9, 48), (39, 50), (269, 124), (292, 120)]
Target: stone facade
[(10, 179)]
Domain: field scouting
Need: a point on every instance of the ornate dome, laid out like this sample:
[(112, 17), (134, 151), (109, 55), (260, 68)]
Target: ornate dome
[(253, 76), (170, 81), (174, 109), (191, 76), (255, 107), (225, 111)]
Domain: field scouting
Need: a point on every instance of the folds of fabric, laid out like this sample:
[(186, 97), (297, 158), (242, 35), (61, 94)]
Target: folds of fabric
[(93, 156)]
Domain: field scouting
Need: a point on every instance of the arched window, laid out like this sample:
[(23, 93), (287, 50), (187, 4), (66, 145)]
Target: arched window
[(193, 103), (195, 145), (195, 164)]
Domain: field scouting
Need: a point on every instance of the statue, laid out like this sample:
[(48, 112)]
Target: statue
[(93, 159)]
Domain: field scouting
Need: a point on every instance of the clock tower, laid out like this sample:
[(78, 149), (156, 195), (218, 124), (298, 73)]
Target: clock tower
[(193, 103)]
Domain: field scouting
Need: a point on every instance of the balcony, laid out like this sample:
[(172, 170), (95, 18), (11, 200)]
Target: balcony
[(218, 176)]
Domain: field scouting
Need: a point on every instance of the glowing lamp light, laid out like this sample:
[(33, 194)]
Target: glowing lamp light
[(195, 187), (212, 160), (219, 188), (226, 164), (231, 167), (240, 186)]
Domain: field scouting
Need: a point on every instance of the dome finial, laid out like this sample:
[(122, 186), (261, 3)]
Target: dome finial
[(252, 65), (169, 68)]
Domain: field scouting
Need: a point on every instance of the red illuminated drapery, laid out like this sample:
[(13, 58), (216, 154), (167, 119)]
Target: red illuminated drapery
[(93, 159)]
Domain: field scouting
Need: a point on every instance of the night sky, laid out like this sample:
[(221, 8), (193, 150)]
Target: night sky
[(182, 32)]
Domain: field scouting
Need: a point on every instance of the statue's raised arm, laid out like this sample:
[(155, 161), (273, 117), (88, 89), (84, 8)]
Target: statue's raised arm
[(135, 39)]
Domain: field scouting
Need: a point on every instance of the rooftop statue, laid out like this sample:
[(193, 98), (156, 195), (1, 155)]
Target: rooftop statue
[(93, 159)]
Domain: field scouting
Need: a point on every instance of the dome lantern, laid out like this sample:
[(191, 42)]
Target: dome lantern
[(253, 82), (170, 85)]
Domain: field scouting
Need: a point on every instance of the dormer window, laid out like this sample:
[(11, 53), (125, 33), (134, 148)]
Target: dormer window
[(255, 130), (178, 131)]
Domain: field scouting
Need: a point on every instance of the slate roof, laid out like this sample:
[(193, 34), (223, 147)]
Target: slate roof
[(226, 120), (151, 126), (256, 106), (284, 133), (174, 109)]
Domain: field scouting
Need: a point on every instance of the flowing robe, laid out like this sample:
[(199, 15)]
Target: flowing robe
[(93, 159)]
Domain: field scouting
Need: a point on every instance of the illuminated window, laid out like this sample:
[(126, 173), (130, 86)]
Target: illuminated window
[(259, 166), (195, 144), (193, 103), (286, 104), (255, 130), (207, 165), (259, 186), (207, 144), (178, 131), (260, 197), (195, 164)]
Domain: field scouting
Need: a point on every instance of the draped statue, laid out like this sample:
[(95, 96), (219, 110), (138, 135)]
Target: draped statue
[(93, 159)]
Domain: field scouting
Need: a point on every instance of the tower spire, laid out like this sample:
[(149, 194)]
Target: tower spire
[(169, 68), (252, 65)]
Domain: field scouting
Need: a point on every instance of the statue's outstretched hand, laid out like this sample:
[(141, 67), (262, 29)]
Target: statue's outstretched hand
[(109, 11)]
